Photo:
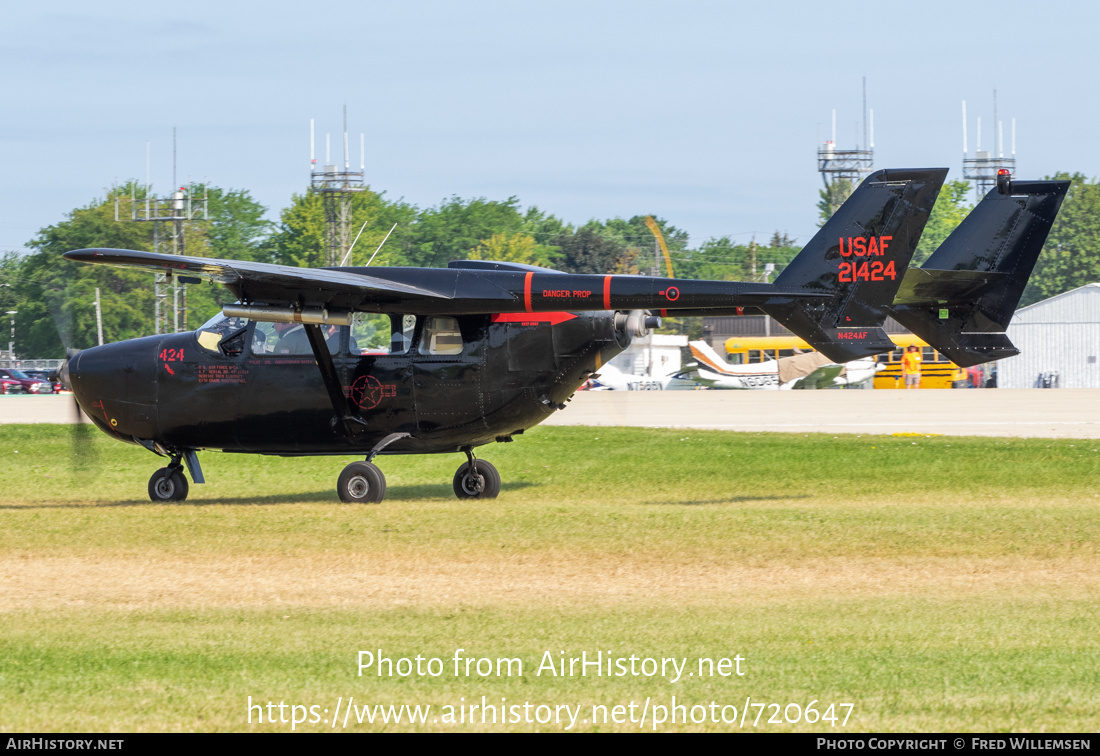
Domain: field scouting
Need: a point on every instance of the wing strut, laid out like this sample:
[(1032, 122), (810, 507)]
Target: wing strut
[(353, 425)]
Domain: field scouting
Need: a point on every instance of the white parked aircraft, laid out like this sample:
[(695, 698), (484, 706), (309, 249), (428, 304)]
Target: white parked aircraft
[(611, 378), (804, 371)]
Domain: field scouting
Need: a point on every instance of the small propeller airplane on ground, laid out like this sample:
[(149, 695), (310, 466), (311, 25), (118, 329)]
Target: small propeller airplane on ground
[(612, 378), (338, 361), (811, 370), (962, 298)]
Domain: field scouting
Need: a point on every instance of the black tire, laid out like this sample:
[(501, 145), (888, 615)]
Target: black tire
[(485, 486), (168, 485), (361, 483)]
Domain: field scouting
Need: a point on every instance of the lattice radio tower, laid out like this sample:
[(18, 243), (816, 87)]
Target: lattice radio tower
[(168, 216), (982, 168), (336, 188), (848, 165)]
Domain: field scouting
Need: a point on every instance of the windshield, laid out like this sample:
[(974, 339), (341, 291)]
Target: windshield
[(20, 375), (220, 324), (211, 334)]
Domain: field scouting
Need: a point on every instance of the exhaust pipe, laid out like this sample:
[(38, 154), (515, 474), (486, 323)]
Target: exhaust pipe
[(267, 314)]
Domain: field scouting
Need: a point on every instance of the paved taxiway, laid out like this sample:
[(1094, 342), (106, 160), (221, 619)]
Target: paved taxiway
[(1054, 413), (50, 408)]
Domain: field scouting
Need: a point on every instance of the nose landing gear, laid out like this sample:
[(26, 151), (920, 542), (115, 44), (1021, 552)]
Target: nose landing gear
[(168, 484)]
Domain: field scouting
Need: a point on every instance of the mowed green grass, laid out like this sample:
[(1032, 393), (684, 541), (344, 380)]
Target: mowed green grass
[(938, 583)]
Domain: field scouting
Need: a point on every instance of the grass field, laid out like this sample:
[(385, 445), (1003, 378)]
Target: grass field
[(938, 583)]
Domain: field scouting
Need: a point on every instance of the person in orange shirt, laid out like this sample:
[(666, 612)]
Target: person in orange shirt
[(910, 367)]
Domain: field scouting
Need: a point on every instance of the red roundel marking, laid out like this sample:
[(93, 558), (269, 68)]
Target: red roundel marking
[(672, 293), (366, 392)]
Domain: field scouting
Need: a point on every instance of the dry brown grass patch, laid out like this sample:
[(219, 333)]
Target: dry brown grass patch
[(159, 581)]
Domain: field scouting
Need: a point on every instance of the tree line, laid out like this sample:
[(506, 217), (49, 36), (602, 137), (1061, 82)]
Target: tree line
[(55, 298)]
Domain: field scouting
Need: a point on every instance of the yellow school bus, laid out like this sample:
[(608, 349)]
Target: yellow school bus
[(936, 370)]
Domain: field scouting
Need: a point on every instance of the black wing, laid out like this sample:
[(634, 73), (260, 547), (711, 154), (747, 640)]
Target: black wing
[(274, 284)]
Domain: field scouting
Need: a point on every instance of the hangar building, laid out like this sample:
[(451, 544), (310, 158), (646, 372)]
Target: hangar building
[(1059, 343), (655, 354)]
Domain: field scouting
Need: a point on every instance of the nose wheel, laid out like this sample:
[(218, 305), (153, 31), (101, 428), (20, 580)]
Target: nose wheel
[(361, 483), (476, 479), (168, 484)]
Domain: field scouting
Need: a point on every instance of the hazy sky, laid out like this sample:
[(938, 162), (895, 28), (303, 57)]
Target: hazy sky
[(705, 113)]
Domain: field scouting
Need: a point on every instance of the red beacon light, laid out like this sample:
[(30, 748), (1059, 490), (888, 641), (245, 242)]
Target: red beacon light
[(1004, 181)]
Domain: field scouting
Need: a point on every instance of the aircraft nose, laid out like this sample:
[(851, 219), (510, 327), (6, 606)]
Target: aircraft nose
[(124, 371), (115, 385)]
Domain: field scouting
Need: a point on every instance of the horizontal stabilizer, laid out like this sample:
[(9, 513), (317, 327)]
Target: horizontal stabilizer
[(973, 348), (939, 287)]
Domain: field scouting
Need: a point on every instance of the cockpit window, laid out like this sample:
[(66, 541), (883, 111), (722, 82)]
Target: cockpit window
[(441, 336), (377, 333), (223, 335), (290, 339)]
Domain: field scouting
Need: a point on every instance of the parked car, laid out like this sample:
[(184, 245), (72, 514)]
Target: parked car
[(30, 385), (11, 386), (46, 376)]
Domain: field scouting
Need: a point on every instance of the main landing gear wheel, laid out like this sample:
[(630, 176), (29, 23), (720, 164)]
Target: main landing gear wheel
[(168, 484), (484, 485), (362, 483)]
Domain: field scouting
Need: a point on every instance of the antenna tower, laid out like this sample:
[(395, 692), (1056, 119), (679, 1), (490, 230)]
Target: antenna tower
[(336, 188), (982, 168), (168, 216), (848, 166)]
